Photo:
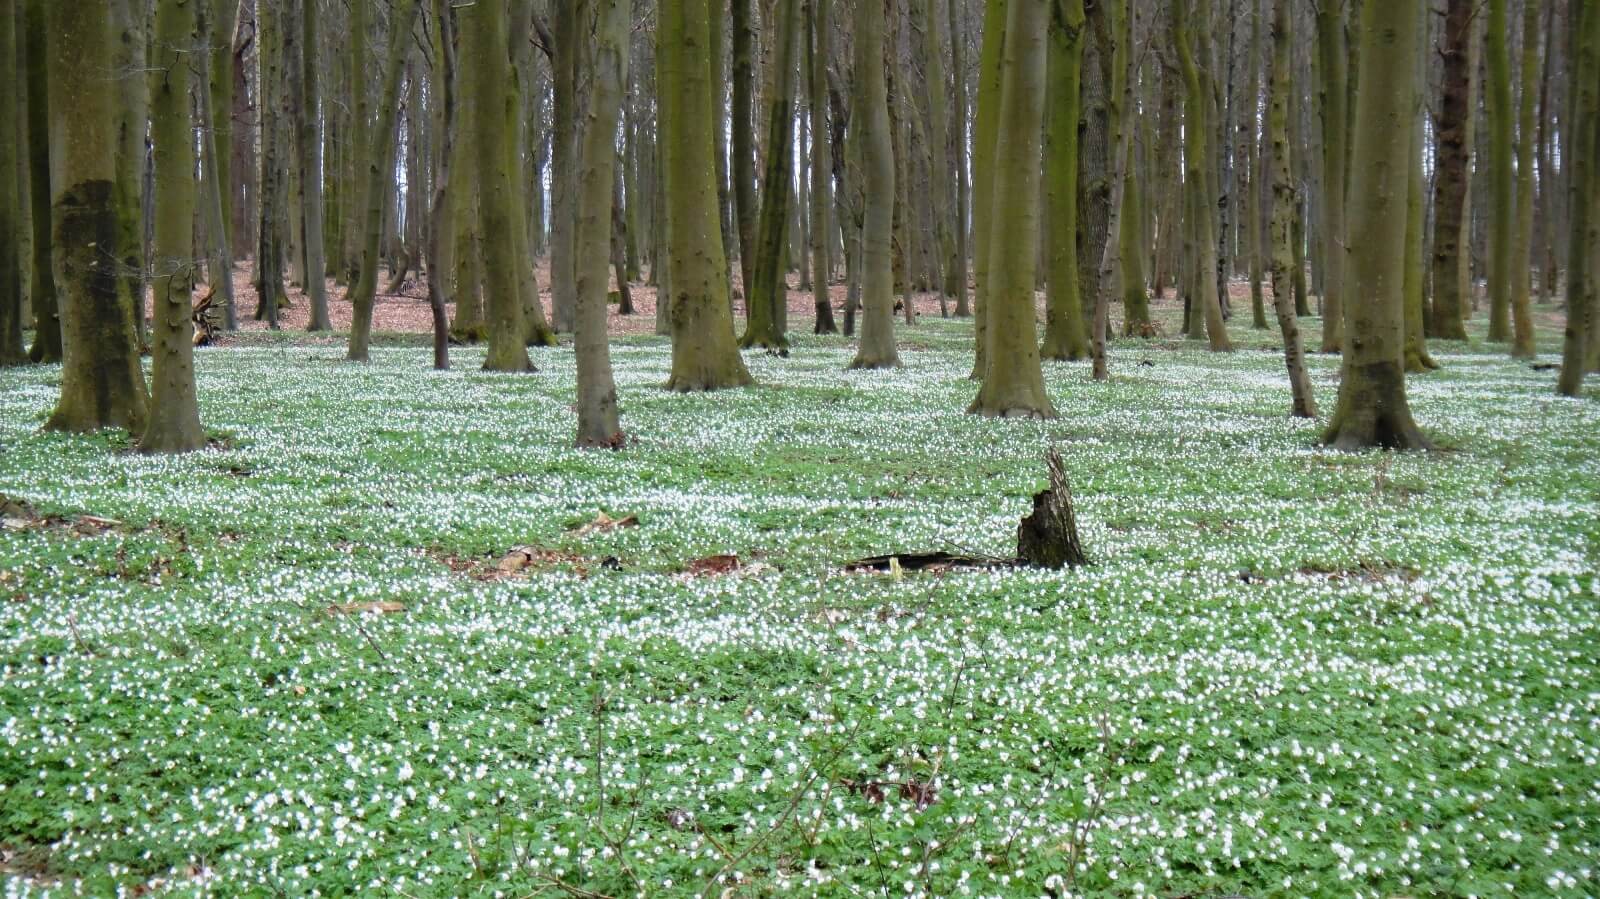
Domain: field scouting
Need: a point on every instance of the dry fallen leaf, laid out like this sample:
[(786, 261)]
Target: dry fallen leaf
[(604, 522), (713, 565)]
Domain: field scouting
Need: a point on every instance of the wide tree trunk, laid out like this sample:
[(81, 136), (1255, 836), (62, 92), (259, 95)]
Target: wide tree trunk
[(485, 40), (1450, 257), (1064, 335), (607, 53), (174, 419), (1013, 383), (705, 353), (102, 385), (1372, 410), (872, 124), (378, 174), (1304, 403)]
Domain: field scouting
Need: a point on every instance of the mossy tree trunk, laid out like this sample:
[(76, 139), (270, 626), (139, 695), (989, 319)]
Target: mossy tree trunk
[(1064, 336), (872, 124), (1522, 336), (1582, 335), (1333, 60), (12, 351), (821, 163), (102, 385), (1304, 403), (1372, 410), (42, 293), (1417, 358), (309, 131), (705, 353), (607, 54), (130, 24), (766, 296), (173, 425), (377, 173), (985, 133), (490, 68), (1013, 383), (1450, 258), (1502, 126), (1198, 168), (742, 129)]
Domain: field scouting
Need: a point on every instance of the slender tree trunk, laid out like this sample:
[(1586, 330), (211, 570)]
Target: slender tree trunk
[(129, 20), (174, 419), (956, 270), (564, 143), (12, 351), (102, 385), (1332, 98), (440, 225), (1372, 409), (985, 135), (1249, 150), (743, 132), (1582, 333), (766, 296), (1119, 102), (1450, 260), (1522, 345), (379, 173), (1198, 165), (42, 290), (928, 33), (269, 241), (871, 118), (821, 164), (307, 122), (1283, 214), (598, 424), (1502, 126), (1417, 358), (1064, 337), (1013, 383)]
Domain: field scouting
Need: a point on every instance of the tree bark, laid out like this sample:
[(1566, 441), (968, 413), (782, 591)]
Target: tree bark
[(1198, 167), (766, 296), (1332, 104), (1013, 383), (1582, 333), (821, 164), (12, 351), (308, 125), (1064, 337), (743, 134), (43, 291), (1502, 126), (1450, 258), (871, 118), (1372, 410), (1522, 344), (598, 424), (102, 384), (985, 134), (174, 419), (1304, 403)]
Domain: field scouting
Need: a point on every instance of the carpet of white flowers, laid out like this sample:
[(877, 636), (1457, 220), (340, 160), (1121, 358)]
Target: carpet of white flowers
[(1289, 671)]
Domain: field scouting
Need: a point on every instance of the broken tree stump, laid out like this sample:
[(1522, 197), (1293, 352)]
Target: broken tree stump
[(1048, 538)]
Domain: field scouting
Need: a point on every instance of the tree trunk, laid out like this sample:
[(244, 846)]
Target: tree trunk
[(1332, 99), (1417, 358), (1304, 403), (1502, 127), (1064, 337), (174, 419), (485, 36), (956, 270), (12, 351), (1372, 410), (766, 296), (607, 48), (129, 21), (1582, 334), (985, 135), (1522, 344), (929, 34), (379, 174), (1013, 383), (564, 144), (821, 164), (705, 354), (743, 133), (1198, 166), (1119, 101), (102, 385), (43, 293), (871, 118), (440, 225), (269, 243), (1450, 260), (307, 124)]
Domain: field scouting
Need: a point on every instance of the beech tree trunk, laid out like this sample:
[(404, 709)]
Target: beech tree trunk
[(1304, 403), (1372, 409), (1333, 61), (821, 164), (308, 125), (872, 124), (1064, 336), (1450, 257), (1502, 125), (102, 385), (11, 350), (766, 295), (1582, 335), (43, 292), (173, 424), (1522, 344)]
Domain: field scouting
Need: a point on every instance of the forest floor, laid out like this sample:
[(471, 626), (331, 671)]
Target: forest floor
[(393, 636)]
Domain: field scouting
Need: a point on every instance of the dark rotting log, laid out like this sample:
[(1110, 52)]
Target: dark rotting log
[(1048, 538)]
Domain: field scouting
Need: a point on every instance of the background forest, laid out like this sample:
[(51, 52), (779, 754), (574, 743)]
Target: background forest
[(310, 309)]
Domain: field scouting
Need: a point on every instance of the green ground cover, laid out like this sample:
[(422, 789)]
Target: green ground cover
[(1288, 672)]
